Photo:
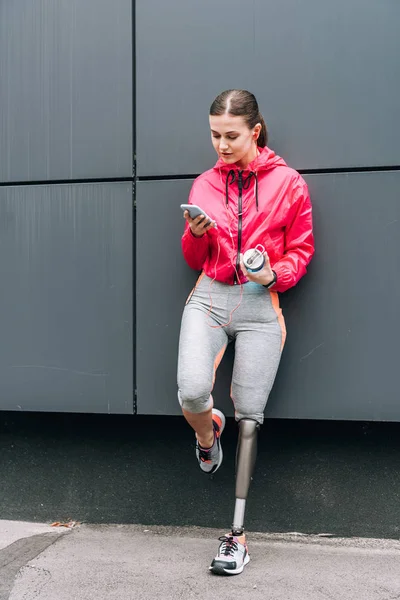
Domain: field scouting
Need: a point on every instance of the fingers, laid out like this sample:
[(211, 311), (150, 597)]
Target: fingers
[(200, 224), (266, 257), (201, 221), (196, 221), (243, 268)]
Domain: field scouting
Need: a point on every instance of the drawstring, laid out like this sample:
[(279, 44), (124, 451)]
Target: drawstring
[(231, 177), (246, 184)]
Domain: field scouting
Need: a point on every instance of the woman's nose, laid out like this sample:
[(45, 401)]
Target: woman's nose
[(223, 146)]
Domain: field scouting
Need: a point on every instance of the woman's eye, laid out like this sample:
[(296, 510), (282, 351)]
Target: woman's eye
[(228, 137)]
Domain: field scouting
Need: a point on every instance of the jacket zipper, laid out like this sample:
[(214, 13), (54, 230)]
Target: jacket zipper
[(240, 186)]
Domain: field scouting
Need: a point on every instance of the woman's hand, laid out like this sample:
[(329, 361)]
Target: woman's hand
[(264, 277), (200, 225)]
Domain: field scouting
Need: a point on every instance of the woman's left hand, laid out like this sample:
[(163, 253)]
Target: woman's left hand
[(264, 276)]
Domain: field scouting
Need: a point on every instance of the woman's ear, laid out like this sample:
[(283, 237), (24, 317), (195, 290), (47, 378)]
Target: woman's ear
[(256, 131)]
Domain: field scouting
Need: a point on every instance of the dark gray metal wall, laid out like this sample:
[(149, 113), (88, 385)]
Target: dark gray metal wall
[(340, 359), (66, 300), (66, 259), (66, 89), (326, 76)]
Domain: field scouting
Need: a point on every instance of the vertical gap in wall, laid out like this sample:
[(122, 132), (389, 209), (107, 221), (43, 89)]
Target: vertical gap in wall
[(134, 204)]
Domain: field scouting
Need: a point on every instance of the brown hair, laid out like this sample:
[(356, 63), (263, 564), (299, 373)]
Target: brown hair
[(241, 103)]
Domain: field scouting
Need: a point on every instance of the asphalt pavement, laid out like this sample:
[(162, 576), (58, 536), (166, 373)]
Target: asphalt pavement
[(311, 477), (135, 562)]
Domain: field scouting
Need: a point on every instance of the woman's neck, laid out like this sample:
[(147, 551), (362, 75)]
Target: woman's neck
[(244, 163)]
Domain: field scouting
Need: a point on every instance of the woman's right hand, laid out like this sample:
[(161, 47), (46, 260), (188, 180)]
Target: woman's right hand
[(200, 225)]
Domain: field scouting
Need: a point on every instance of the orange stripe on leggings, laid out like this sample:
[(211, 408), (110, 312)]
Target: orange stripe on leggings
[(194, 289), (278, 310), (217, 361)]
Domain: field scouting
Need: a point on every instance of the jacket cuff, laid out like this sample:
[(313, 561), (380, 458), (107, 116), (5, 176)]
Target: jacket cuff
[(192, 239), (195, 237), (283, 278)]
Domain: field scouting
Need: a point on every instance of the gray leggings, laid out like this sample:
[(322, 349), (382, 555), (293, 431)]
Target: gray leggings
[(256, 326)]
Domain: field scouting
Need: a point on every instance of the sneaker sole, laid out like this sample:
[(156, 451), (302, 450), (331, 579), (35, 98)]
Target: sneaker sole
[(218, 570)]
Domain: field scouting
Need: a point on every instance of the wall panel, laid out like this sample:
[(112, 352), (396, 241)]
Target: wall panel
[(340, 359), (66, 303)]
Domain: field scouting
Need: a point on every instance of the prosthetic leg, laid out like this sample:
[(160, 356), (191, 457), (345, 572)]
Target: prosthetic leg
[(245, 460)]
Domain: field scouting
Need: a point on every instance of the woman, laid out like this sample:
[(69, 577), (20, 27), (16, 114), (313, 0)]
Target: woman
[(250, 198)]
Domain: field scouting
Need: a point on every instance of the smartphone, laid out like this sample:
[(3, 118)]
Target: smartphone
[(195, 211)]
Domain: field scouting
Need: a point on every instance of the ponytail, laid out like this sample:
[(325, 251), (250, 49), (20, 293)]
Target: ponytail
[(263, 137)]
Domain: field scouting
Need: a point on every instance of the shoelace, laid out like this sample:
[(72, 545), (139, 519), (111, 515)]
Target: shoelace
[(204, 455), (228, 546)]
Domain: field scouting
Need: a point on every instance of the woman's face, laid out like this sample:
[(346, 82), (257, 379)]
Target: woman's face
[(232, 139)]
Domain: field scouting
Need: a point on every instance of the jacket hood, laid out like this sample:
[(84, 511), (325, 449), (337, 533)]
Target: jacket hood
[(267, 159)]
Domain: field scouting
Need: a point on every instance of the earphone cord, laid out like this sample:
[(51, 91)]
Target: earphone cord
[(215, 277)]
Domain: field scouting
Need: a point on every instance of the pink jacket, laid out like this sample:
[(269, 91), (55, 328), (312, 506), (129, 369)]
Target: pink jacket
[(268, 204)]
